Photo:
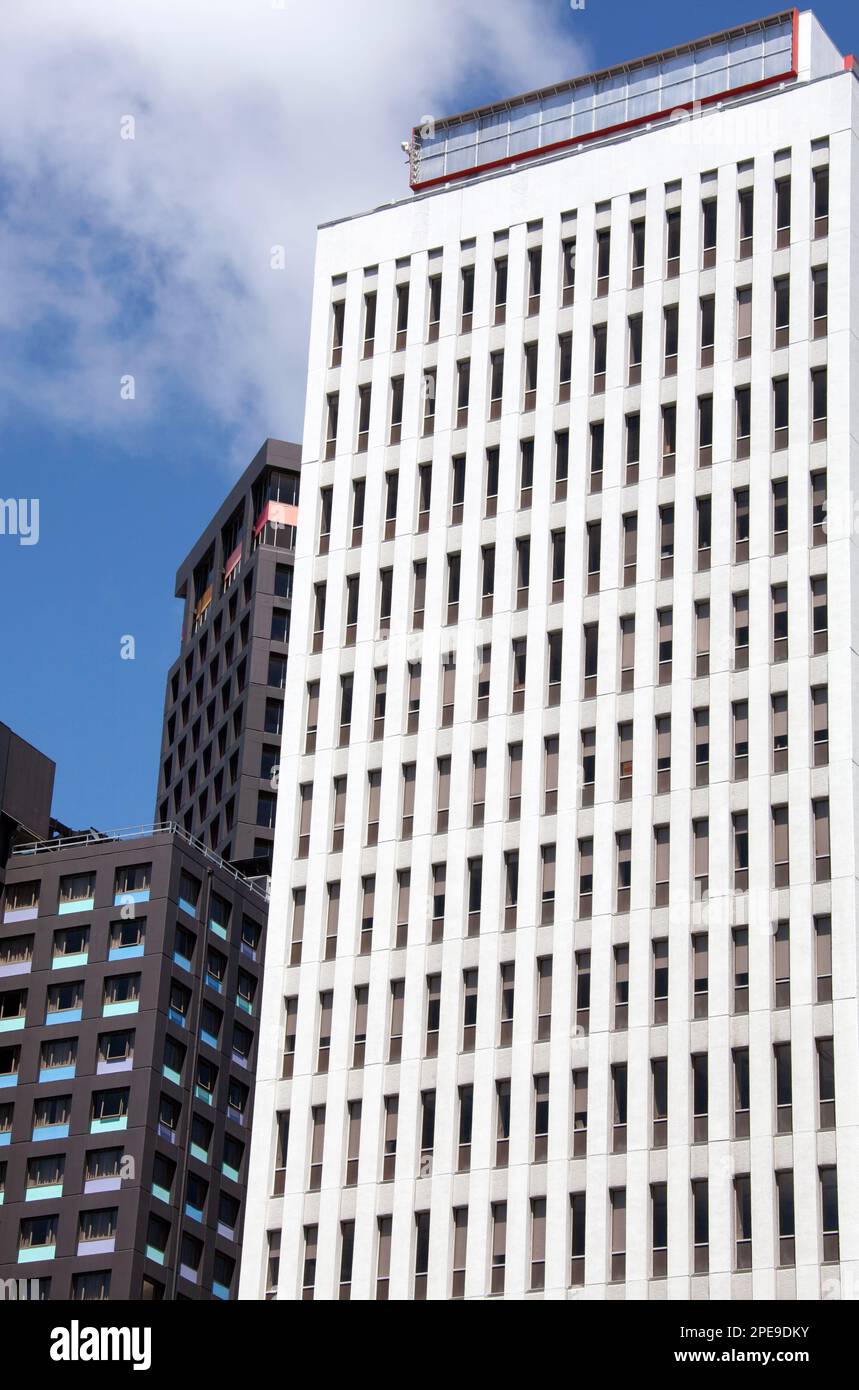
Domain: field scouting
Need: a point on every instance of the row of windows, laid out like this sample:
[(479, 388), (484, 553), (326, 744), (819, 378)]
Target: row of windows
[(743, 641), (104, 1169), (51, 1116), (779, 520), (817, 391), (737, 866), (77, 892), (44, 1178), (611, 1134), (613, 1269), (779, 625), (71, 949), (58, 1058), (656, 1005), (706, 250), (97, 1231), (780, 825), (816, 751), (69, 946), (525, 487), (65, 1002), (596, 579)]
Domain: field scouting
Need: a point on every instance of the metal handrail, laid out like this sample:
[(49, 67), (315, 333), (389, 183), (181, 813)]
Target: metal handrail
[(138, 832)]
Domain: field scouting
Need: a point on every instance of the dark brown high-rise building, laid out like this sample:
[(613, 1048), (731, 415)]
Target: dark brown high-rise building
[(130, 982), (223, 711)]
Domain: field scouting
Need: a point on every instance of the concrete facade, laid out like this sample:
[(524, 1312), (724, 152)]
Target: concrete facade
[(679, 1188)]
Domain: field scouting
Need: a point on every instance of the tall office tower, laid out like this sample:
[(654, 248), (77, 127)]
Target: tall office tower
[(129, 973), (561, 991), (224, 706)]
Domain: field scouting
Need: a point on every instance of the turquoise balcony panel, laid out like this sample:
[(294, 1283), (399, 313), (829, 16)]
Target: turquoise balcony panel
[(35, 1253), (6, 1081), (108, 1126), (80, 905), (244, 1005), (173, 1075), (161, 1192), (229, 1172), (208, 1037), (197, 1151), (204, 1095), (218, 930), (11, 1025), (195, 1213), (182, 961), (153, 1254), (127, 1006), (187, 907), (175, 1017), (220, 1291), (5, 1138), (65, 962), (44, 1194)]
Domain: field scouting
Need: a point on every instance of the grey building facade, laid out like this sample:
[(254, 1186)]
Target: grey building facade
[(223, 711)]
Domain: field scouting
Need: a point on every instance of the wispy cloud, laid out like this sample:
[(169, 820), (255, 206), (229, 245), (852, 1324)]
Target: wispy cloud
[(252, 122)]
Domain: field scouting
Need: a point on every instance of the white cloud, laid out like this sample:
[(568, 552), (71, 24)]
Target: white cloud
[(253, 122)]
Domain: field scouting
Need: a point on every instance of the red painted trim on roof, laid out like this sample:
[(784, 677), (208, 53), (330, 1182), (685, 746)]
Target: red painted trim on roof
[(849, 62), (622, 125)]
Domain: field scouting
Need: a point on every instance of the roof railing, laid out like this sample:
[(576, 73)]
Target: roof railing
[(139, 832)]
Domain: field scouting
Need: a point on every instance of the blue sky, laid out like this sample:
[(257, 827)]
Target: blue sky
[(150, 257)]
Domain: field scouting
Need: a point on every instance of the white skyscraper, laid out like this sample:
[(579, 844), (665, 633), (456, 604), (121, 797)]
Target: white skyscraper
[(561, 980)]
